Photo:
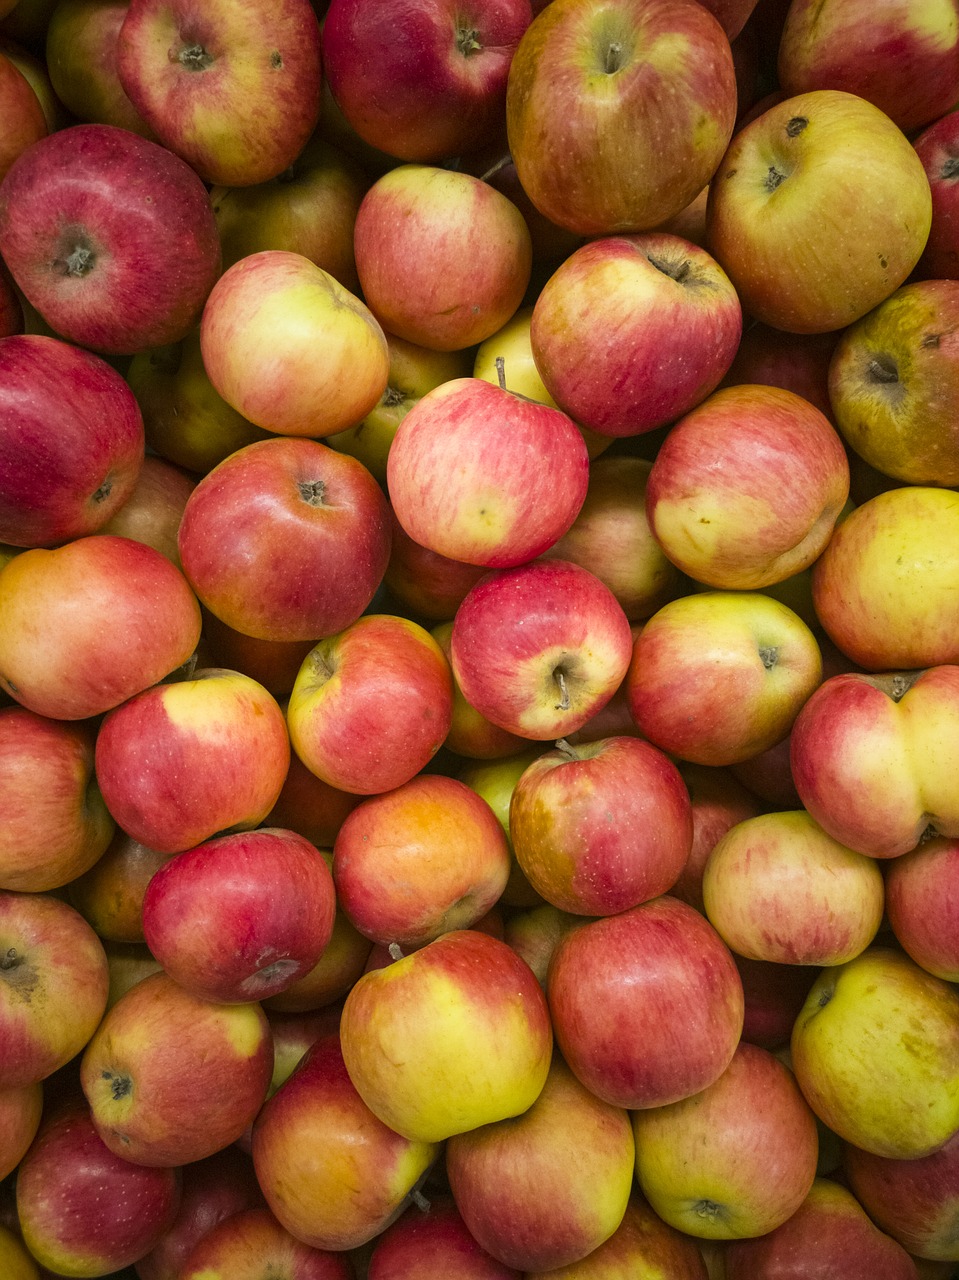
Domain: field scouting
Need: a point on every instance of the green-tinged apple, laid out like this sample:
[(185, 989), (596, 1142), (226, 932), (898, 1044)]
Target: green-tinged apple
[(171, 1078), (618, 113), (433, 1239), (449, 1037), (252, 1244), (296, 1033), (471, 734), (55, 823), (614, 984), (128, 963), (718, 802), (746, 489), (477, 473), (23, 120), (777, 887), (874, 758), (443, 258), (263, 323), (233, 88), (371, 706), (734, 1160), (922, 905), (894, 384), (20, 1109), (534, 932), (181, 762), (32, 64), (331, 1171), (876, 1053), (938, 149), (422, 859), (286, 539), (630, 332), (16, 1261), (601, 827), (495, 781), (541, 648), (110, 895), (550, 1186), (53, 986), (719, 677), (819, 211), (81, 58)]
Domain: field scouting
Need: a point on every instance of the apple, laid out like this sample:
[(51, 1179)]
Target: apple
[(153, 511), (309, 806), (545, 1189), (426, 585), (23, 120), (55, 822), (83, 1210), (272, 663), (539, 649), (161, 1054), (938, 149), (109, 895), (234, 89), (449, 1037), (296, 1033), (16, 1261), (90, 219), (819, 211), (922, 896), (632, 331), (614, 983), (81, 57), (718, 801), (331, 1171), (433, 1240), (495, 781), (717, 678), (128, 963), (876, 1053), (774, 994), (443, 258), (20, 1110), (471, 734), (251, 1244), (747, 487), (286, 539), (618, 115), (797, 362)]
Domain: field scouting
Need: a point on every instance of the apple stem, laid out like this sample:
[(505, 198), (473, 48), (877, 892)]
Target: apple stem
[(494, 169), (614, 57), (882, 369), (421, 1202), (560, 677), (396, 952), (563, 746), (501, 372)]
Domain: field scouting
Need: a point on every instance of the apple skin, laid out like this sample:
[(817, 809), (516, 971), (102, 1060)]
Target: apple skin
[(83, 1210), (777, 887), (310, 807), (286, 539), (181, 762), (617, 116), (272, 663), (797, 362), (109, 895), (433, 1241), (922, 900), (251, 1244), (774, 994), (111, 211), (471, 734), (547, 1188), (495, 781), (232, 89), (938, 149), (718, 801), (613, 983), (428, 586), (468, 1023), (81, 57), (55, 823), (153, 511), (24, 122), (332, 1173), (541, 648), (392, 868), (20, 1110), (829, 1236), (263, 322), (631, 332), (443, 258), (371, 706), (873, 758), (854, 1054), (747, 487), (787, 220), (161, 1053), (717, 678)]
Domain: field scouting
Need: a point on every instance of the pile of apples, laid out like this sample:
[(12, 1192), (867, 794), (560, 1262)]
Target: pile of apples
[(479, 639)]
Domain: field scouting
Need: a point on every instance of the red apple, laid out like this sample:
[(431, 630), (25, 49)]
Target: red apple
[(310, 806), (21, 113), (938, 149), (922, 898), (433, 1240), (774, 994), (272, 663), (153, 511), (471, 734), (797, 362), (428, 586), (251, 1244)]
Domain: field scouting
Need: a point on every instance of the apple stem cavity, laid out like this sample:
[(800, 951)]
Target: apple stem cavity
[(559, 675), (467, 41), (678, 271), (313, 492), (193, 57), (882, 369)]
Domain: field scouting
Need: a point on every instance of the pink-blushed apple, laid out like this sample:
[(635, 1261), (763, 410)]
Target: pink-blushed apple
[(601, 827), (83, 1210), (872, 757), (718, 677), (90, 219), (109, 895), (371, 706), (241, 917), (181, 762), (55, 823), (922, 900), (80, 52), (736, 1159), (332, 1173), (251, 1244), (23, 120), (603, 320), (938, 149), (234, 89), (67, 412), (449, 1037), (541, 648), (434, 1240), (788, 220), (20, 1110), (427, 586), (53, 986), (153, 511), (533, 933), (392, 865), (617, 116), (343, 961), (171, 1078), (718, 801), (263, 322), (777, 887), (876, 1052), (294, 1034), (471, 734), (286, 539), (527, 1204), (614, 983), (443, 258), (747, 487)]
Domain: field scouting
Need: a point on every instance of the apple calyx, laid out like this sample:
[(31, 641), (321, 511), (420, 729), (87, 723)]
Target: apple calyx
[(950, 169), (313, 492), (390, 398), (707, 1209), (194, 57), (882, 369), (769, 656), (80, 261), (467, 41), (120, 1085)]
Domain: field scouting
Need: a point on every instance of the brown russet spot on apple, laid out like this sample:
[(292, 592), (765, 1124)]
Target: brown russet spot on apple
[(882, 369), (276, 60), (795, 126), (774, 177), (950, 169)]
